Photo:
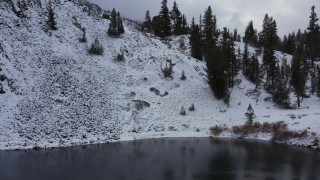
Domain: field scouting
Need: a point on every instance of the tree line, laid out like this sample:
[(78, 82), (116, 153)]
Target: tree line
[(224, 62)]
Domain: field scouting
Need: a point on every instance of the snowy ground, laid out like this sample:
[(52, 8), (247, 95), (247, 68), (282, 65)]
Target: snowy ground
[(59, 95)]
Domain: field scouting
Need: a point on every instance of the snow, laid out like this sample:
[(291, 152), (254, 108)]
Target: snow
[(59, 95)]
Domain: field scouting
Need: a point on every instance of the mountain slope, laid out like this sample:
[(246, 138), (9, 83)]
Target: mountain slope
[(59, 95)]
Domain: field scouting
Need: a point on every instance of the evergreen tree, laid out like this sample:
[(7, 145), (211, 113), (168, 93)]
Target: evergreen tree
[(147, 21), (113, 30), (216, 73), (313, 36), (313, 80), (268, 39), (165, 28), (120, 24), (269, 63), (280, 95), (209, 31), (256, 68), (299, 36), (96, 48), (195, 40), (51, 16), (228, 52), (176, 17), (235, 35), (298, 80), (289, 44), (185, 28), (116, 26), (250, 35), (250, 115), (253, 70), (157, 25), (318, 83), (245, 60)]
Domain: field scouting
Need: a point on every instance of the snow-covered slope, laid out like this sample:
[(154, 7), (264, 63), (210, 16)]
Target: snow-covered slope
[(59, 95)]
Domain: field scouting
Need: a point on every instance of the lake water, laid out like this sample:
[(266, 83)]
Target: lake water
[(167, 159)]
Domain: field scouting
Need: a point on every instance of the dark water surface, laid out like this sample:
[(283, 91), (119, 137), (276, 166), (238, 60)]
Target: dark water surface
[(168, 159)]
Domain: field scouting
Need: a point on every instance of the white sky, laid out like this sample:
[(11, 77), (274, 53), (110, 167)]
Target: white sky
[(289, 14)]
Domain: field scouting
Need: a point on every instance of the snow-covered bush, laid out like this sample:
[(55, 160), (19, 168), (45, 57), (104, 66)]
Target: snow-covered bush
[(168, 70), (183, 111), (120, 57), (192, 108)]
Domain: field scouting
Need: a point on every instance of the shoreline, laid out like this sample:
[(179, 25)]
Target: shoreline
[(263, 137)]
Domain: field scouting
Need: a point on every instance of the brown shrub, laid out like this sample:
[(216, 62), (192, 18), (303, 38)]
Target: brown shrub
[(285, 135), (279, 130), (266, 127), (216, 130)]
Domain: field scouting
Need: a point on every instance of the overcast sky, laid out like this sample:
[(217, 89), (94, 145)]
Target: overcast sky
[(289, 14)]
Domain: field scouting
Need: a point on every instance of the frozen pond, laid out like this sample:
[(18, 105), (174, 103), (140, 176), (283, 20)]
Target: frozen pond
[(167, 159)]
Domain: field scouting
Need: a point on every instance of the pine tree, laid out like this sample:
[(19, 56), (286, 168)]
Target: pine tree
[(268, 39), (318, 83), (250, 35), (183, 75), (96, 48), (51, 16), (280, 94), (185, 28), (216, 72), (250, 115), (165, 20), (253, 70), (299, 36), (228, 52), (313, 79), (176, 17), (245, 60), (235, 34), (256, 70), (120, 24), (147, 21), (313, 36), (298, 80), (209, 31), (116, 26), (113, 30), (289, 44), (195, 40)]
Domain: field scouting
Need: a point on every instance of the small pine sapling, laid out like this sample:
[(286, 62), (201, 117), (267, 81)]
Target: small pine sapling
[(183, 76), (96, 48), (250, 115), (51, 16), (183, 111), (120, 57), (192, 108)]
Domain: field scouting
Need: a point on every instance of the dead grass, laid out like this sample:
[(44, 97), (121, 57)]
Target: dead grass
[(279, 130), (216, 130)]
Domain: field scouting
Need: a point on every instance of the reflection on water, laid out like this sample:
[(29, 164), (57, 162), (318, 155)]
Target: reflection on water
[(169, 159)]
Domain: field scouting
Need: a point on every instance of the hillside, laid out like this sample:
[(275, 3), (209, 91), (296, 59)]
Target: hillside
[(57, 94)]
